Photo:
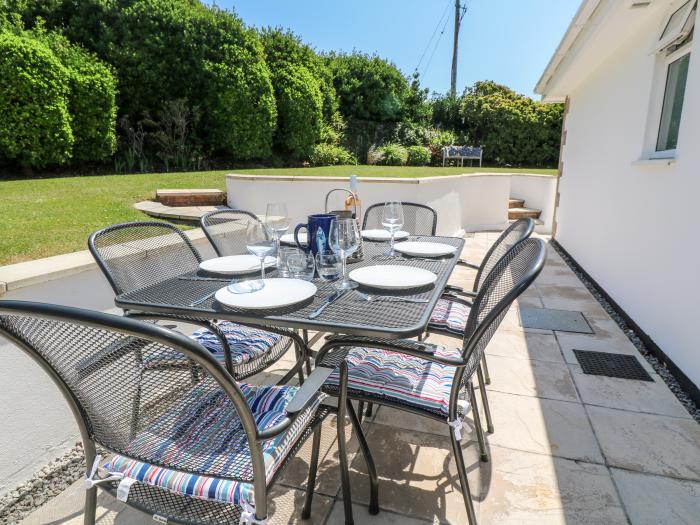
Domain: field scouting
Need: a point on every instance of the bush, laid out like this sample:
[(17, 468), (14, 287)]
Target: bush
[(35, 127), (330, 155), (91, 102), (178, 50), (418, 156), (368, 87), (393, 155), (301, 92)]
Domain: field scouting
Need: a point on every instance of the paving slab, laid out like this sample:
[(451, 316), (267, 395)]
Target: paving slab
[(362, 516), (569, 297), (663, 445), (532, 378), (527, 488), (549, 319), (417, 475), (651, 500), (617, 343), (628, 394), (555, 428), (525, 346)]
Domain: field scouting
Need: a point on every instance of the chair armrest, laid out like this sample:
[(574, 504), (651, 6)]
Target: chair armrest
[(462, 262), (450, 288), (312, 386)]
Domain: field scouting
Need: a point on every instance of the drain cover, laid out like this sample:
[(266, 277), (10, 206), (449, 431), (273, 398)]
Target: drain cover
[(549, 319), (611, 365)]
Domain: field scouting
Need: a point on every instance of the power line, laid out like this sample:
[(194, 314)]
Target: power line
[(427, 46), (437, 43)]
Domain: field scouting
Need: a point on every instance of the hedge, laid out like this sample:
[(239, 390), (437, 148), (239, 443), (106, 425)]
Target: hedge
[(37, 130)]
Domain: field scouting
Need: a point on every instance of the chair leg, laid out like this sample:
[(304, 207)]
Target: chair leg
[(305, 335), (342, 447), (90, 506), (313, 468), (464, 483), (477, 423), (485, 367), (369, 461), (368, 412), (484, 399), (361, 410)]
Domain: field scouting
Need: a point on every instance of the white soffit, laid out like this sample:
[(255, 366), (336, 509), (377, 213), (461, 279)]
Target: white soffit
[(597, 31)]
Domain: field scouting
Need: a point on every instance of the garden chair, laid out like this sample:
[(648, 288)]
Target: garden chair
[(226, 230), (136, 255), (182, 448), (452, 311), (431, 380), (419, 219)]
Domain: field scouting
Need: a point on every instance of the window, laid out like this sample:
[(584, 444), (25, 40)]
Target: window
[(673, 50), (673, 104)]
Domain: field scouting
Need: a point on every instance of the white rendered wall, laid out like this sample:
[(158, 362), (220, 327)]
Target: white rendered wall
[(632, 227), (469, 202), (37, 425)]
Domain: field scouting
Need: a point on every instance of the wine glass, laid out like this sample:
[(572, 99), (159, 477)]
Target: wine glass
[(344, 239), (392, 220), (259, 242), (277, 219)]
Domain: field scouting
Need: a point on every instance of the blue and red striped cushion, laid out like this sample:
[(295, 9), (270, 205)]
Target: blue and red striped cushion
[(203, 413), (246, 343), (450, 315), (401, 378)]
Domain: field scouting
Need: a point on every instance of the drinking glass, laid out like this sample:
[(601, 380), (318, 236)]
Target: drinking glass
[(277, 219), (392, 220), (301, 265), (344, 239), (283, 255), (259, 242), (328, 266)]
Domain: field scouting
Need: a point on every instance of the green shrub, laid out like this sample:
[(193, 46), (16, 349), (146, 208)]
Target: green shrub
[(393, 155), (35, 124), (330, 155), (418, 156), (368, 87), (91, 102), (177, 50)]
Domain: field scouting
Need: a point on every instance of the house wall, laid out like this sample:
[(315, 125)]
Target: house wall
[(630, 224)]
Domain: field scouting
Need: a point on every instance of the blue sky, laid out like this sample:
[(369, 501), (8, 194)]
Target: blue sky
[(509, 41)]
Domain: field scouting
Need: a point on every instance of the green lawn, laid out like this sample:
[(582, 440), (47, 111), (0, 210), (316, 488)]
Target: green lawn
[(43, 217)]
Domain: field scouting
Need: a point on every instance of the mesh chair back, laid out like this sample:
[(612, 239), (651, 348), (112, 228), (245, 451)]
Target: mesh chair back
[(99, 362), (516, 232), (510, 277), (419, 219), (226, 230), (139, 254)]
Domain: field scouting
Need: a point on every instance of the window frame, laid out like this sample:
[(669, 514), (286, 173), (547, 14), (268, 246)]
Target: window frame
[(679, 34)]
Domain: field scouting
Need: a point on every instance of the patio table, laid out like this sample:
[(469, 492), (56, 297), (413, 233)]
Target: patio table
[(351, 315)]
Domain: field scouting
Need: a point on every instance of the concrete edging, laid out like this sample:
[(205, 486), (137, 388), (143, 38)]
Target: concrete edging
[(29, 273)]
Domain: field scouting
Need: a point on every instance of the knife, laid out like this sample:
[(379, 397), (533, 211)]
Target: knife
[(328, 300)]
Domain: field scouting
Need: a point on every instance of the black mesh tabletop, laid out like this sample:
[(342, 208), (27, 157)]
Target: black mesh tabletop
[(350, 314)]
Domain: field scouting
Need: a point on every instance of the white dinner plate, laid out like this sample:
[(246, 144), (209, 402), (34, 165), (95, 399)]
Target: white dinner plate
[(288, 239), (392, 277), (424, 249), (276, 293), (236, 264), (383, 235)]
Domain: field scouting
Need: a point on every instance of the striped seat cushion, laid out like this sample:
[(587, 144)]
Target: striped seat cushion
[(450, 315), (204, 413), (246, 343), (400, 378)]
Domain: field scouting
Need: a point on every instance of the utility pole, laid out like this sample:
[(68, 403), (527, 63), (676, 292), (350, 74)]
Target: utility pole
[(455, 47)]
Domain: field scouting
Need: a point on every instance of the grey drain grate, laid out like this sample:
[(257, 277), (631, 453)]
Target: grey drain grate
[(611, 365)]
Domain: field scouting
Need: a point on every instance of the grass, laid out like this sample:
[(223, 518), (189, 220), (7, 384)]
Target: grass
[(51, 216)]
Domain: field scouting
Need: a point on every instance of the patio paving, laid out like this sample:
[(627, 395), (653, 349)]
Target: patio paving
[(568, 448)]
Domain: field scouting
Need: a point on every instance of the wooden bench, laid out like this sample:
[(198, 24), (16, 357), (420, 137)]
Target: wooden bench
[(461, 153)]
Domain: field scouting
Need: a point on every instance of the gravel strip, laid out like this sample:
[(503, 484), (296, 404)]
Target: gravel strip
[(658, 366), (50, 481)]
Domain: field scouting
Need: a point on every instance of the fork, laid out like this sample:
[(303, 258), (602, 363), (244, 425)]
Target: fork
[(394, 298)]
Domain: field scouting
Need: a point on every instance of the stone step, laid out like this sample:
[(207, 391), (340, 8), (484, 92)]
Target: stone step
[(522, 213), (516, 203), (191, 197)]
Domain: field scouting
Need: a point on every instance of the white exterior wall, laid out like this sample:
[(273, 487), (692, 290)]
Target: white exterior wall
[(630, 226)]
